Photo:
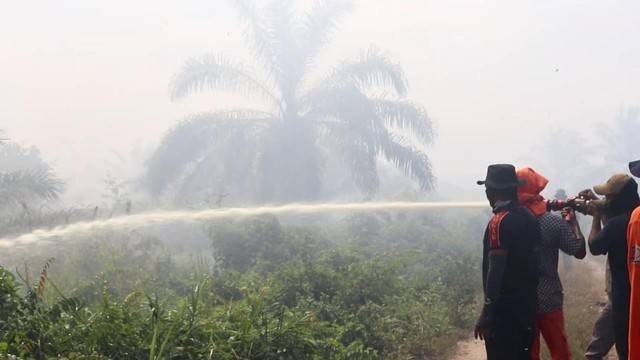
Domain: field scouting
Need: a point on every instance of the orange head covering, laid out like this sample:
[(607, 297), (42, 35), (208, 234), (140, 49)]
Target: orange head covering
[(529, 194)]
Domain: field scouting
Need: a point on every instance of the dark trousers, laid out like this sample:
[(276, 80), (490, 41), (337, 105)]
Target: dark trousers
[(621, 331), (603, 337), (512, 337)]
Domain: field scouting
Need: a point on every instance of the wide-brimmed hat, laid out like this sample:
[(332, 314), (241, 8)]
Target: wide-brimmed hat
[(613, 186), (634, 167), (500, 177)]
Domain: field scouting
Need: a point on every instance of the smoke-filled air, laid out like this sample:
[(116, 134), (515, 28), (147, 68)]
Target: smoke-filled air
[(320, 179)]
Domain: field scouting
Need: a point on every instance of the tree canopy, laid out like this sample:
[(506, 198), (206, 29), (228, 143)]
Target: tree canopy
[(358, 112)]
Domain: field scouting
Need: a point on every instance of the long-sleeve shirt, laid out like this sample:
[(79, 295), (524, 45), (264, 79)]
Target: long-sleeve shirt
[(556, 236), (633, 262), (515, 230), (612, 240)]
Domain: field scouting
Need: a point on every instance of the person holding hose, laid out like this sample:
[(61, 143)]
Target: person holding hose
[(602, 339), (509, 270), (621, 199), (556, 235), (633, 264)]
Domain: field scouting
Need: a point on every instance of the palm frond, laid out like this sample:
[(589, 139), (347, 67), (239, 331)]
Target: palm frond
[(411, 161), (217, 72), (350, 106), (353, 119), (372, 70), (405, 115), (257, 33), (358, 154), (188, 140), (354, 129), (23, 186), (320, 24), (229, 166), (285, 46)]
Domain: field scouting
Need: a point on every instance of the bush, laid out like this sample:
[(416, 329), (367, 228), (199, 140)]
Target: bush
[(275, 292)]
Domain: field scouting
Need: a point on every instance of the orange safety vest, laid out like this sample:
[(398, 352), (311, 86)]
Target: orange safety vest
[(633, 261)]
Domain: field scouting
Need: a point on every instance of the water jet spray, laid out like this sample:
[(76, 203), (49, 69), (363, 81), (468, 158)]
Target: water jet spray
[(163, 217)]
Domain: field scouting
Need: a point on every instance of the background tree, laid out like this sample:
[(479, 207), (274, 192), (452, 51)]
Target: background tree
[(277, 153), (621, 139), (567, 158), (25, 178)]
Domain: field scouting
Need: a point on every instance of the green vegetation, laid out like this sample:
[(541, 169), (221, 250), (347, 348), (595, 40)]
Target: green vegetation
[(269, 291)]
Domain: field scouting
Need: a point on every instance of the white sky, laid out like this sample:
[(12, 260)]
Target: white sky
[(81, 79)]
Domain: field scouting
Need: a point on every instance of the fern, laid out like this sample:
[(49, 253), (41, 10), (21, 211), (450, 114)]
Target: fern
[(44, 275)]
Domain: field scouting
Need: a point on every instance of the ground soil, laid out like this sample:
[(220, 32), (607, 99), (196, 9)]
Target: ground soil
[(471, 349)]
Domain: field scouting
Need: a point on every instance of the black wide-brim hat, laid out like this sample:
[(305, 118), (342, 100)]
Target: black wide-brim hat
[(500, 177), (634, 167)]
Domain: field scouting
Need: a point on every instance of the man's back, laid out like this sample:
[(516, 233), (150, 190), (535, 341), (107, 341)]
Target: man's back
[(516, 230), (612, 240)]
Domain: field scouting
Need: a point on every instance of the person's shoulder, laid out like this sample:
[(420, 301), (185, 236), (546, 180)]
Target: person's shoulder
[(619, 219), (518, 216), (521, 213), (552, 219)]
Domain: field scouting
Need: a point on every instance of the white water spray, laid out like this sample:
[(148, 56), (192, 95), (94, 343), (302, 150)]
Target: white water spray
[(163, 217)]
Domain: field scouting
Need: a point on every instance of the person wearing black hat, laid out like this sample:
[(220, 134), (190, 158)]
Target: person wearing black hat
[(633, 264), (609, 237), (509, 270), (634, 167)]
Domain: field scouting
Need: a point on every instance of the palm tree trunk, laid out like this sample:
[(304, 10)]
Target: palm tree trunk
[(291, 164)]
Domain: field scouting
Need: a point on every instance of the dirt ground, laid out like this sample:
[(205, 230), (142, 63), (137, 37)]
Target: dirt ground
[(471, 349)]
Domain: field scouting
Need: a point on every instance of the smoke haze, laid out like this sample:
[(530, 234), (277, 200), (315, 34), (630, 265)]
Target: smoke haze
[(87, 81)]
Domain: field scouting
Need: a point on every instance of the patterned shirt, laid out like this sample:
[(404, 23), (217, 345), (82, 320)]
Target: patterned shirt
[(556, 235)]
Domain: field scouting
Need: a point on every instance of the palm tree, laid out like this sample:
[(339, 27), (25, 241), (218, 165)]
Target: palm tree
[(357, 112), (19, 188), (24, 177)]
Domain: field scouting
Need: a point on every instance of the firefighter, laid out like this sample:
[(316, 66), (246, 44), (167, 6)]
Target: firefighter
[(509, 270), (621, 193)]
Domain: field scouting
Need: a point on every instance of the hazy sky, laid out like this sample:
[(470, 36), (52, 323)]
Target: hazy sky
[(83, 79)]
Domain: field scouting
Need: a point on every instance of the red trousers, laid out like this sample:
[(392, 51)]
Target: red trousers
[(551, 326)]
